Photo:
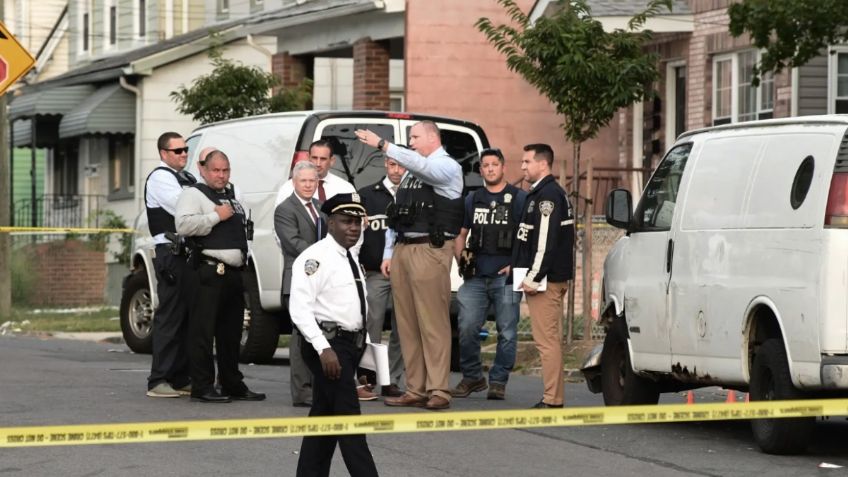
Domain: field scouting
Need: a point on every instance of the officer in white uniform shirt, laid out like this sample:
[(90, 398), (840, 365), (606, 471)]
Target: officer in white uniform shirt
[(329, 308), (320, 154), (169, 371)]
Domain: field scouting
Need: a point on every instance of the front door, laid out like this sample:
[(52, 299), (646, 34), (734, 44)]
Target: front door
[(649, 252)]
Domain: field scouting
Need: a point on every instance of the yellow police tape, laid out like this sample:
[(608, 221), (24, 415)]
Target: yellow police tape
[(64, 230), (126, 433)]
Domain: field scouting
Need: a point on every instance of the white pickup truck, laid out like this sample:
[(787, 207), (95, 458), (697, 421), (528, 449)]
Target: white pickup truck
[(262, 150)]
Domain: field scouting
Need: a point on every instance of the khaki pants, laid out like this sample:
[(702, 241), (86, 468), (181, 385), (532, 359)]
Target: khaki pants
[(420, 277), (546, 323)]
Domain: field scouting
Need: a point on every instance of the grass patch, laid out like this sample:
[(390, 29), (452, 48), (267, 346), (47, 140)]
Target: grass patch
[(103, 319)]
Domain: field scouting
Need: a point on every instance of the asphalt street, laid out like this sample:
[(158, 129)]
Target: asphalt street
[(58, 381)]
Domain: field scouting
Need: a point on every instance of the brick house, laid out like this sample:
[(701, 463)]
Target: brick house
[(706, 77)]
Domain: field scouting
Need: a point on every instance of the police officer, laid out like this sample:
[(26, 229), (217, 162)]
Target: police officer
[(483, 250), (377, 198), (218, 229), (545, 241), (169, 372), (427, 217), (329, 307)]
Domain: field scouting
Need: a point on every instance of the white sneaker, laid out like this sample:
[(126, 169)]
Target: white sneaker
[(163, 390), (184, 391)]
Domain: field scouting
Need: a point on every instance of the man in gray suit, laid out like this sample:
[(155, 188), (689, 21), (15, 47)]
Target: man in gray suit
[(298, 223)]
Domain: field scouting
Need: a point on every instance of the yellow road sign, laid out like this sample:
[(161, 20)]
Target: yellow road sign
[(15, 61)]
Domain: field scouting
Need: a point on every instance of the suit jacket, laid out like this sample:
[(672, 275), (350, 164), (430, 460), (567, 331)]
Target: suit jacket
[(296, 230)]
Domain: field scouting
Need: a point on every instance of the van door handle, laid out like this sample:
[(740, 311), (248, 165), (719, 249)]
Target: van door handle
[(669, 253)]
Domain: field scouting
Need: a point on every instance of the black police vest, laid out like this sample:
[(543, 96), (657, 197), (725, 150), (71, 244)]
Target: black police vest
[(376, 199), (493, 224), (420, 210), (229, 234), (159, 220)]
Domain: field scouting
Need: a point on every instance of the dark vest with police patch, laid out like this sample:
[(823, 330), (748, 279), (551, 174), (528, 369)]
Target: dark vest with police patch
[(493, 224), (159, 220), (228, 234), (420, 210), (376, 199)]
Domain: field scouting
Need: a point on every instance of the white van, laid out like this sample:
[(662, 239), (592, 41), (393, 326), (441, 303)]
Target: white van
[(733, 272), (262, 150)]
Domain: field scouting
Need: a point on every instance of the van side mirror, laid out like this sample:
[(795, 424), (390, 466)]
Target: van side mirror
[(618, 208)]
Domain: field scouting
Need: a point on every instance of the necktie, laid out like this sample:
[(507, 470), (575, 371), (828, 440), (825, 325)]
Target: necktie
[(315, 218), (394, 189), (322, 194), (359, 289)]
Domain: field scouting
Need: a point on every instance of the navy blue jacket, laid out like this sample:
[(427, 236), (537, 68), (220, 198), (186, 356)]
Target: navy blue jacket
[(545, 237)]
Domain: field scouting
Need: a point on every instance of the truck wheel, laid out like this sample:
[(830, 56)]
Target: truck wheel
[(261, 329), (619, 383), (137, 313), (770, 381)]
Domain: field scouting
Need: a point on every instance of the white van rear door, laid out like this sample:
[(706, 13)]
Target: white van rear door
[(649, 252)]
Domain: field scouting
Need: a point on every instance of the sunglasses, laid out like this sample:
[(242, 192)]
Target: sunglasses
[(178, 150)]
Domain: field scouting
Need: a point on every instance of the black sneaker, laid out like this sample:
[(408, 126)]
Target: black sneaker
[(544, 405)]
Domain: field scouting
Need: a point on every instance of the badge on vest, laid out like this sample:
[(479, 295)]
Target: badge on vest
[(546, 207), (310, 267), (507, 198), (220, 269)]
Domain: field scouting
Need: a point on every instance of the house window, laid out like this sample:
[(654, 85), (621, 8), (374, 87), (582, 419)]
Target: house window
[(85, 31), (735, 98), (113, 24), (839, 81), (121, 167), (396, 101), (141, 18), (223, 6)]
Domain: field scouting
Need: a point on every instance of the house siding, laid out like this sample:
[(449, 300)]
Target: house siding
[(812, 87)]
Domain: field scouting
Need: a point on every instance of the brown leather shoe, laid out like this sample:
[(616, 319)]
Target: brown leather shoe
[(364, 393), (437, 402), (406, 400), (468, 386), (391, 391)]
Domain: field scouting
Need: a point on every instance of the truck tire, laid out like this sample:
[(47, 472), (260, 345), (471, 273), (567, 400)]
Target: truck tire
[(620, 385), (770, 381), (137, 313), (261, 330)]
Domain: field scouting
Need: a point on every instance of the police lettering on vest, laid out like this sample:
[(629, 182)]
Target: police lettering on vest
[(419, 210), (376, 199), (493, 221)]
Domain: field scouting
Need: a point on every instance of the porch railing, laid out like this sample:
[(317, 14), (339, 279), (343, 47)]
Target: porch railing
[(52, 210)]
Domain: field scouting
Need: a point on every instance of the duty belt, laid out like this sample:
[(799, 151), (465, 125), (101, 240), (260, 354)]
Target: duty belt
[(220, 267), (332, 330)]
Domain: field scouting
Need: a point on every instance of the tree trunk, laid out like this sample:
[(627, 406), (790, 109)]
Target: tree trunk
[(575, 194), (587, 255)]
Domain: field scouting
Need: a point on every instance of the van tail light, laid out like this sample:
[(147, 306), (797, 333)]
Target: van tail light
[(298, 156), (836, 214)]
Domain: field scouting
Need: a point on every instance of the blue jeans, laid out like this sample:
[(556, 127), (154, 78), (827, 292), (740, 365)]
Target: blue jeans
[(475, 296)]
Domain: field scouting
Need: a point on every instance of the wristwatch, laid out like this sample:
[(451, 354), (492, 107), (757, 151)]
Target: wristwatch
[(381, 144)]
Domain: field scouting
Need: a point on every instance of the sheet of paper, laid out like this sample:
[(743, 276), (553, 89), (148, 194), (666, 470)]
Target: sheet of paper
[(376, 358), (518, 275)]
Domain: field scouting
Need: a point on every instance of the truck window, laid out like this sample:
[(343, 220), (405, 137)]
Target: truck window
[(656, 208), (462, 146), (359, 164)]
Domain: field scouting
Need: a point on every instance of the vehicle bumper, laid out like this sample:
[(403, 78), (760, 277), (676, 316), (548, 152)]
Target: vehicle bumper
[(834, 372)]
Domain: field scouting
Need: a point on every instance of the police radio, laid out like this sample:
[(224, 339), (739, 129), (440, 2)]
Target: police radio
[(248, 225)]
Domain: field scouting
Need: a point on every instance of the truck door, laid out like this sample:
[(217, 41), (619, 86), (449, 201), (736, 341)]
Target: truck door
[(649, 258)]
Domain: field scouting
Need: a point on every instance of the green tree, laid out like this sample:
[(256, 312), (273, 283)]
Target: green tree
[(234, 90), (586, 72), (790, 32)]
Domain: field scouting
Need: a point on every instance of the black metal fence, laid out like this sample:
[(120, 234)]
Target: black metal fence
[(51, 210)]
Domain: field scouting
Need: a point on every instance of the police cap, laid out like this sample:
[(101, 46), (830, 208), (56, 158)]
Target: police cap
[(345, 204)]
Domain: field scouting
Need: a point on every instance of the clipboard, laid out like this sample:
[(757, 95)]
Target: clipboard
[(518, 275)]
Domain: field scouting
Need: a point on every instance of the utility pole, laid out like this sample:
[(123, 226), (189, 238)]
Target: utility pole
[(5, 210)]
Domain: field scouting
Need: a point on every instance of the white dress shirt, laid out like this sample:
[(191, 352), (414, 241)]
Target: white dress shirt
[(327, 294), (163, 190), (333, 185)]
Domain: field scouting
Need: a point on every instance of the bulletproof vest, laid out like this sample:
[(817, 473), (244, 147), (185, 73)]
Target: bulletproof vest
[(228, 234), (159, 220), (377, 200), (493, 224), (420, 210)]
